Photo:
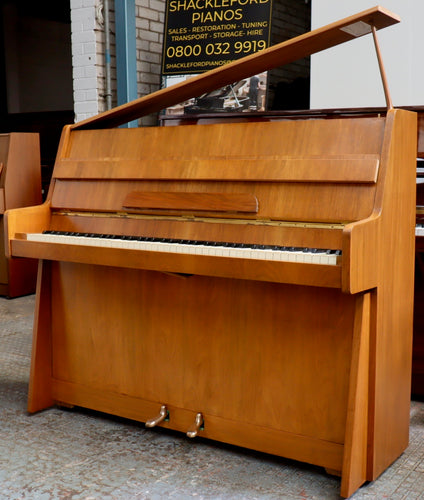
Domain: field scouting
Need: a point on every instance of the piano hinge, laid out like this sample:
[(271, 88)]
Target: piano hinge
[(209, 220)]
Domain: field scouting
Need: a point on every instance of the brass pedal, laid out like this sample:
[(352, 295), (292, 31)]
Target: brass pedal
[(163, 415), (196, 427)]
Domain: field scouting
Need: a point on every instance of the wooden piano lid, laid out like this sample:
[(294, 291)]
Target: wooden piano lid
[(291, 50)]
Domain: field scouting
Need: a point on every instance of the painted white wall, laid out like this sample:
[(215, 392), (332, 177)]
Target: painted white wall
[(348, 75)]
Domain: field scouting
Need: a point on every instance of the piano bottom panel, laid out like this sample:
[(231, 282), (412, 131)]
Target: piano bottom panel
[(267, 358), (246, 269)]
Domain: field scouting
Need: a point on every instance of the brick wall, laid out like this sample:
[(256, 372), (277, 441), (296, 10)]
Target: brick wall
[(88, 52), (85, 62), (150, 18)]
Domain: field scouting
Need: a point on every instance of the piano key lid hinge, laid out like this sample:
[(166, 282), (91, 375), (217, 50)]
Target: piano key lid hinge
[(209, 220)]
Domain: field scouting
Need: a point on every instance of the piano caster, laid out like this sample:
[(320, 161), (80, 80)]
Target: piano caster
[(163, 415), (196, 427)]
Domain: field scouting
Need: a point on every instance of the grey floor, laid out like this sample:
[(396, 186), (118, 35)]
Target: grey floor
[(76, 454)]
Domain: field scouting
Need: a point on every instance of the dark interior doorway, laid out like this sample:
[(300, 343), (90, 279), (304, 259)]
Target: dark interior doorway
[(289, 85), (36, 72)]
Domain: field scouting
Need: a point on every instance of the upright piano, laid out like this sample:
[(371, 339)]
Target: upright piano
[(249, 282), (20, 186)]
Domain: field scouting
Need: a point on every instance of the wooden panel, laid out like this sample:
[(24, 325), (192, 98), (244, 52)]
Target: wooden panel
[(347, 169), (4, 268), (26, 219), (340, 139), (40, 384), (23, 173), (20, 185), (287, 165), (306, 202), (392, 302), (243, 339), (210, 202), (4, 150), (265, 439), (420, 146), (356, 440), (2, 201)]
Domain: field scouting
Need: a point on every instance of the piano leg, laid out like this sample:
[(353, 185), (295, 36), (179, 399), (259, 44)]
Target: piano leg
[(356, 438), (40, 385)]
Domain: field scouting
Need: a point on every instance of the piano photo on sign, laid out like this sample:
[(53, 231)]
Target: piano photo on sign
[(226, 99), (234, 280), (248, 94)]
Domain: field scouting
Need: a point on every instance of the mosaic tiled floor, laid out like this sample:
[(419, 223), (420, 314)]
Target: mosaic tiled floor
[(63, 454)]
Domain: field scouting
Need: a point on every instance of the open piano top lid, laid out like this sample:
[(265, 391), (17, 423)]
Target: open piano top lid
[(328, 36)]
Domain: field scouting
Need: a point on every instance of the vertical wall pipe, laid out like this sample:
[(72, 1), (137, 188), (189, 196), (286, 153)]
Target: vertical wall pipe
[(108, 86), (126, 54)]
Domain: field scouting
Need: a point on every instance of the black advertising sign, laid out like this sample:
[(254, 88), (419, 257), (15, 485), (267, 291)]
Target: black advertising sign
[(203, 34)]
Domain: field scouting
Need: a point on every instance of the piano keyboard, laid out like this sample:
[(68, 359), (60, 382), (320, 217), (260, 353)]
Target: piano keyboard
[(218, 249), (419, 230)]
